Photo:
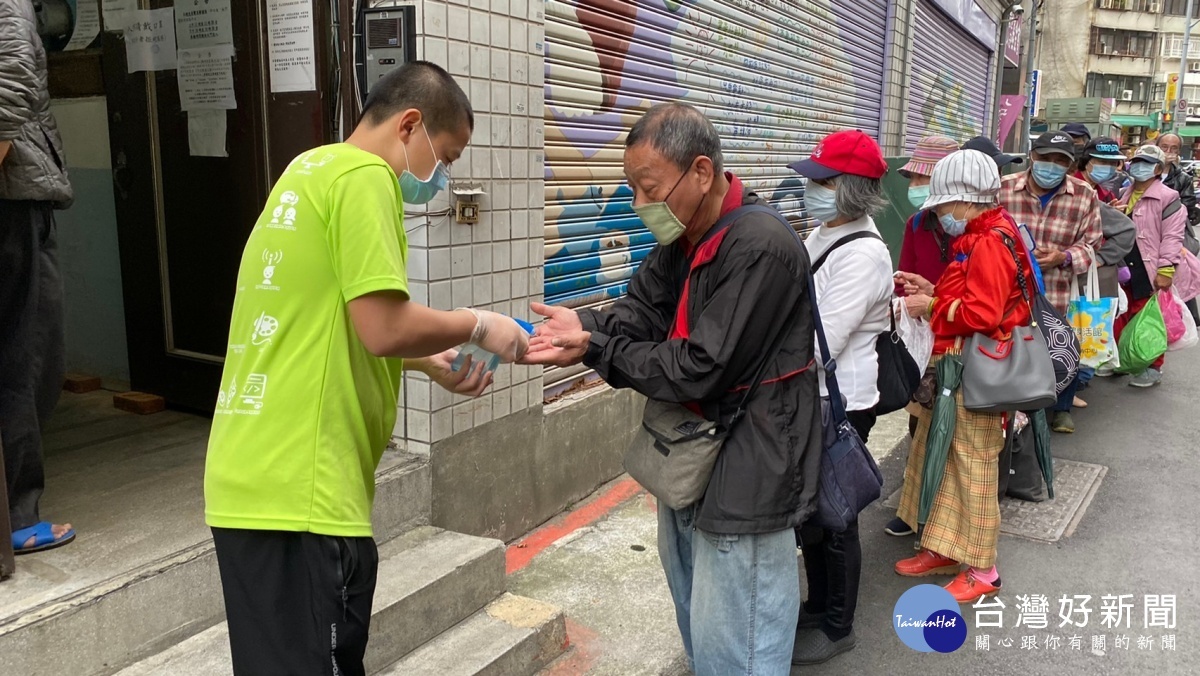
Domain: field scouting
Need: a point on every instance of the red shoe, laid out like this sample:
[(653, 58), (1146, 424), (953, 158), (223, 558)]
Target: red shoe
[(927, 563), (966, 588)]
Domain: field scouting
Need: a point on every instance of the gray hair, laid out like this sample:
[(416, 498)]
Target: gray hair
[(859, 196), (680, 133)]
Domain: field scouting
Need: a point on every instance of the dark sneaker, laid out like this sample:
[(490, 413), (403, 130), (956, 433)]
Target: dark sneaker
[(898, 528), (814, 647), (809, 620), (1063, 423)]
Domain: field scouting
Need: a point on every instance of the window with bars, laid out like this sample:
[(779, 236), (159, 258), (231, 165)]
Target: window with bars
[(1120, 87), (1151, 6), (1179, 7), (1115, 42), (1172, 45)]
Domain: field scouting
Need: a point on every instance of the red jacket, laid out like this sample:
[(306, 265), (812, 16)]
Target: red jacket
[(978, 293), (926, 248)]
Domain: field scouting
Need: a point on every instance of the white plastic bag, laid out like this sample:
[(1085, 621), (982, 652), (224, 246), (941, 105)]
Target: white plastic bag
[(1190, 336), (916, 334)]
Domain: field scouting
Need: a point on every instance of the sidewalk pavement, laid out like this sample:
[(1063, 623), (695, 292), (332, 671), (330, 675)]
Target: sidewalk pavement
[(1136, 535)]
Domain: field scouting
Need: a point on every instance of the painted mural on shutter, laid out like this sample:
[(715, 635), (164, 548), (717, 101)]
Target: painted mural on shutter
[(773, 76), (949, 91)]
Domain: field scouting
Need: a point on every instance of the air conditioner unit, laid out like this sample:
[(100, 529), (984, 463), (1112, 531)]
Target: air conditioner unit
[(1156, 8), (1127, 95), (1194, 66)]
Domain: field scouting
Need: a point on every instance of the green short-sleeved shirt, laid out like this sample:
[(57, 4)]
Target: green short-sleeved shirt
[(305, 411)]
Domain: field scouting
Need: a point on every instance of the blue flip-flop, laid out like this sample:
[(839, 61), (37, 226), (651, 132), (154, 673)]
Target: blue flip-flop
[(43, 538)]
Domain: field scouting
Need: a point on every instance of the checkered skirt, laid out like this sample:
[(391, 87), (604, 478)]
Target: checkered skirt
[(964, 523)]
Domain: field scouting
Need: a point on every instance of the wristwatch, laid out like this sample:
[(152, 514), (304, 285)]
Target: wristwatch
[(1067, 262)]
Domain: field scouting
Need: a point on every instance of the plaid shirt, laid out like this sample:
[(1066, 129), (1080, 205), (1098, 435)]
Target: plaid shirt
[(1071, 223)]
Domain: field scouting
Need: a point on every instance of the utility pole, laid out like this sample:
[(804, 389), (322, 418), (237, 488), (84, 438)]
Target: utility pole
[(1026, 130), (1183, 60), (1005, 19)]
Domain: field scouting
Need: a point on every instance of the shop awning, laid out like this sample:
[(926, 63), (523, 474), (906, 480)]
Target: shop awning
[(1133, 120), (1189, 132)]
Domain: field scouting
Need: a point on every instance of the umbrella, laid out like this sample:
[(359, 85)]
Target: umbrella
[(941, 431), (1041, 445)]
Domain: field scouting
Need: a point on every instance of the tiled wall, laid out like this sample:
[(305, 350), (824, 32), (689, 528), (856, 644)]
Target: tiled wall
[(494, 49)]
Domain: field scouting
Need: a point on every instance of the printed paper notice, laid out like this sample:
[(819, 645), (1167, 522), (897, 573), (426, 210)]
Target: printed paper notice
[(202, 23), (87, 24), (116, 13), (206, 79), (206, 133), (150, 39), (293, 59)]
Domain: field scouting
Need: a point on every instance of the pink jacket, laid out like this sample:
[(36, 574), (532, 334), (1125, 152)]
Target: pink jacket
[(1161, 242)]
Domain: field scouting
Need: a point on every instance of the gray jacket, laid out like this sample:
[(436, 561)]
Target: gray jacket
[(35, 167), (1119, 236)]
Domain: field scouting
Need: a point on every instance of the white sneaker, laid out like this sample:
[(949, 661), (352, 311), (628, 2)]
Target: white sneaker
[(1105, 370), (1147, 378)]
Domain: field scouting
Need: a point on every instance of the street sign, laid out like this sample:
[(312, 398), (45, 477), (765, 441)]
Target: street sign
[(1182, 105), (1035, 93)]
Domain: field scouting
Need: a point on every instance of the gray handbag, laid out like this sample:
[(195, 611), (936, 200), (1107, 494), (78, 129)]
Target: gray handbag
[(1009, 375), (673, 452)]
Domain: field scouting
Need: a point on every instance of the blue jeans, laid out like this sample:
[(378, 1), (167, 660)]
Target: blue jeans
[(1067, 398), (737, 597)]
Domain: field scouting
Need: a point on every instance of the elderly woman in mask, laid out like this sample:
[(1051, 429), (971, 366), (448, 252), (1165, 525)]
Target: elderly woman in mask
[(978, 293), (852, 272)]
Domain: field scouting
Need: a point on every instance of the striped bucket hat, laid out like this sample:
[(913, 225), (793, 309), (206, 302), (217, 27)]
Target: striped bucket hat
[(928, 152)]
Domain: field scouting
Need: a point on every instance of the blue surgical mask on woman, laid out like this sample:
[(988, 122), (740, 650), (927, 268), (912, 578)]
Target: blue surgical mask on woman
[(1048, 175), (820, 202), (951, 225), (1100, 173), (1142, 171), (918, 195), (418, 191)]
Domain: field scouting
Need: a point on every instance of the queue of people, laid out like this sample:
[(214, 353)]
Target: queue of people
[(716, 322)]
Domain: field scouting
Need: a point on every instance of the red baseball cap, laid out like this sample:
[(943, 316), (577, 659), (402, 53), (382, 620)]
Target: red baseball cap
[(843, 152)]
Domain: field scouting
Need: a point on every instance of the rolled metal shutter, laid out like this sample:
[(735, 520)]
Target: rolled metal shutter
[(774, 79), (949, 92)]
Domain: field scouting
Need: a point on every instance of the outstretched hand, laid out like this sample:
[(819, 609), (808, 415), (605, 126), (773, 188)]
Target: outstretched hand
[(560, 340), (914, 284)]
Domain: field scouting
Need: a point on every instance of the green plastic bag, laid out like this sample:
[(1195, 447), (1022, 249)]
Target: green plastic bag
[(1144, 339)]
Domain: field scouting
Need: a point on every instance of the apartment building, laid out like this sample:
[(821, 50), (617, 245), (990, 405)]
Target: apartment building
[(1127, 51)]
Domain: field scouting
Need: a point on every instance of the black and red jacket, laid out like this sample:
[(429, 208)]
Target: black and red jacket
[(744, 285)]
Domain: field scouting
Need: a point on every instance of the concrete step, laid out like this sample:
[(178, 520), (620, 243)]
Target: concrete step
[(429, 580), (512, 636), (100, 628)]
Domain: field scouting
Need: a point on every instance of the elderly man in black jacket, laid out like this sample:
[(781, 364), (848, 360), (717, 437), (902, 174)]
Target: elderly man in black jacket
[(1177, 178), (702, 314)]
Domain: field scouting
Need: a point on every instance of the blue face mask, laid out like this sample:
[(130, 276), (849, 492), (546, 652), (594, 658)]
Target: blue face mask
[(1142, 171), (1048, 175), (917, 195), (819, 202), (417, 191), (1102, 172), (953, 226)]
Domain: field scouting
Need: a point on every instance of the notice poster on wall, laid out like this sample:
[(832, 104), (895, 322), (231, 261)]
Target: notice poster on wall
[(116, 13), (206, 78), (202, 23), (87, 24), (206, 133), (150, 40), (293, 57)]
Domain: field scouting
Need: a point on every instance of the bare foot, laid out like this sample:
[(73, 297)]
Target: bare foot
[(58, 530)]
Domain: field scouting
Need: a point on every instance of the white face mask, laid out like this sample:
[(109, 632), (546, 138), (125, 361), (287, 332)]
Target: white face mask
[(820, 202)]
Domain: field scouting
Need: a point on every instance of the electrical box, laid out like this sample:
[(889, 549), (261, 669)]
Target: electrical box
[(388, 41)]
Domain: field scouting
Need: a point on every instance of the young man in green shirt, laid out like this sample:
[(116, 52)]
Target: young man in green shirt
[(321, 323)]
